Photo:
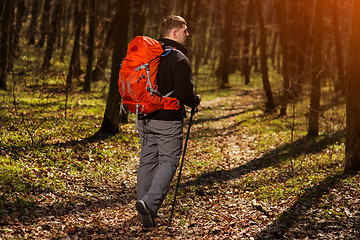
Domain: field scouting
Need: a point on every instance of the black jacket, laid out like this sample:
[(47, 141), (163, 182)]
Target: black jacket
[(174, 74)]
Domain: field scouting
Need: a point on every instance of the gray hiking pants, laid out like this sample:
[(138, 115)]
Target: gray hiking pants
[(161, 146)]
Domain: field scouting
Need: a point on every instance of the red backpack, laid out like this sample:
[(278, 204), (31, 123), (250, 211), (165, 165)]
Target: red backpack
[(137, 78)]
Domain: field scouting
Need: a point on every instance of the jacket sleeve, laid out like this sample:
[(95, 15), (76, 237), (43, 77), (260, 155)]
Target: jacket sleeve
[(184, 84)]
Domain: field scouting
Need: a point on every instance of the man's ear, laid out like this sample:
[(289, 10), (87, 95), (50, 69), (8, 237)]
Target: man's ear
[(174, 34)]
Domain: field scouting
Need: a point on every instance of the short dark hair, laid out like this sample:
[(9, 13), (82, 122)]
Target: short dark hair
[(170, 23)]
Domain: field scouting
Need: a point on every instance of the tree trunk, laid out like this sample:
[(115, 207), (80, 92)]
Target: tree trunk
[(274, 46), (189, 9), (138, 18), (293, 43), (4, 41), (111, 119), (316, 70), (246, 47), (270, 105), (352, 150), (92, 17), (34, 21), (75, 58), (197, 41), (102, 60), (2, 3), (210, 32), (254, 49), (225, 56), (20, 15), (340, 80), (66, 18), (44, 23), (300, 44), (51, 37), (281, 16)]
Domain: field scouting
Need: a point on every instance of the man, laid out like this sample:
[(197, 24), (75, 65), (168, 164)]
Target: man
[(161, 132)]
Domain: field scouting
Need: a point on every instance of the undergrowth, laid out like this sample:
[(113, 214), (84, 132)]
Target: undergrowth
[(49, 148)]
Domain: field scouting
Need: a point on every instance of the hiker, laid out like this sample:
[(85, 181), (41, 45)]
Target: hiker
[(161, 132)]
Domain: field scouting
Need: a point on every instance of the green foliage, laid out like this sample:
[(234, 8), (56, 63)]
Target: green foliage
[(242, 168)]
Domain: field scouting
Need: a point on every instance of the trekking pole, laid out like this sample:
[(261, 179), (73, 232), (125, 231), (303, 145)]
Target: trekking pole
[(193, 110)]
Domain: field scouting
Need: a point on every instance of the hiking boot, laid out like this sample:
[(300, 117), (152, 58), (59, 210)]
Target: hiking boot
[(147, 215)]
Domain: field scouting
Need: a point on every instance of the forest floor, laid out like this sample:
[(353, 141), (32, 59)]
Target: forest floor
[(247, 175)]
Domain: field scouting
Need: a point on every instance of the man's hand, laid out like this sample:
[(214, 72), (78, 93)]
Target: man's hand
[(199, 99)]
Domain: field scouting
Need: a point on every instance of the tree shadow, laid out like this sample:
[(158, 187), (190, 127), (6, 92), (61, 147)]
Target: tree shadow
[(96, 137), (223, 117), (25, 211), (305, 145), (309, 198), (131, 228), (17, 151)]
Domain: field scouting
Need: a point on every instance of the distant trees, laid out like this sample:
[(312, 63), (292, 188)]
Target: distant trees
[(102, 60), (340, 79), (246, 42), (281, 17), (305, 41), (111, 118), (352, 152), (91, 45), (7, 10), (316, 71), (44, 26), (269, 105), (51, 37), (35, 10), (226, 46), (74, 67), (19, 19)]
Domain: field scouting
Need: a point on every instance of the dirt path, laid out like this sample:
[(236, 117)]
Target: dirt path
[(214, 200)]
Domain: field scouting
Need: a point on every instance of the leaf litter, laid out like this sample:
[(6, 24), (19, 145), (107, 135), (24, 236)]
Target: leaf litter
[(237, 183)]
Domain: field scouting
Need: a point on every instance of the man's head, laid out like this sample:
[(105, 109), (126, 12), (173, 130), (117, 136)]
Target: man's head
[(175, 28)]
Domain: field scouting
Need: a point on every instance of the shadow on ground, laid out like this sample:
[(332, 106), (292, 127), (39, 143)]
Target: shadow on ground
[(302, 146), (288, 219)]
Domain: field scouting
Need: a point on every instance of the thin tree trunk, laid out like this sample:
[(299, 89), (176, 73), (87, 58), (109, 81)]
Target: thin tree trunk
[(270, 105), (293, 43), (352, 150), (65, 22), (44, 23), (75, 58), (87, 85), (102, 60), (11, 54), (189, 10), (254, 49), (4, 41), (316, 70), (111, 119), (20, 15), (225, 56), (246, 48), (34, 21), (274, 46), (138, 18), (81, 22), (51, 37), (340, 80), (192, 21), (2, 3), (281, 16), (210, 32), (300, 45)]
